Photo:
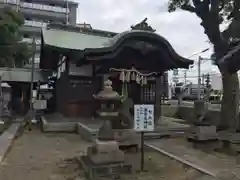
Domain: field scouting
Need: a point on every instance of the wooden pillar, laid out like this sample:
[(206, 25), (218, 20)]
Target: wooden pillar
[(158, 94), (94, 86)]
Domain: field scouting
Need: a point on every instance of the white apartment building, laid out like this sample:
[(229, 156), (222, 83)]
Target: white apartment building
[(38, 13)]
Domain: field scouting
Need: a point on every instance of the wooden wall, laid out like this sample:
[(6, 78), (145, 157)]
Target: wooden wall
[(75, 95)]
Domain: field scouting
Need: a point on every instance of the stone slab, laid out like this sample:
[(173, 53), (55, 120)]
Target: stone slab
[(168, 127), (88, 127), (201, 137), (64, 126), (98, 172), (159, 135), (203, 129), (86, 132), (202, 133), (2, 126), (6, 139)]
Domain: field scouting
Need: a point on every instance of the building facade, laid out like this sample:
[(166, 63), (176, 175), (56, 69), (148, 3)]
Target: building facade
[(39, 13)]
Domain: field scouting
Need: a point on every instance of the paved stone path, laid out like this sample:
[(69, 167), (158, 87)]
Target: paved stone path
[(212, 163), (51, 156), (38, 156)]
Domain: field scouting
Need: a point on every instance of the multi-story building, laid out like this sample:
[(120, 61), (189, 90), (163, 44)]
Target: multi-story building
[(38, 13)]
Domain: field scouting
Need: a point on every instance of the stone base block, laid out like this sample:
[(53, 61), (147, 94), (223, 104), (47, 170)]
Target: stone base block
[(202, 137), (106, 146), (58, 126), (97, 172), (127, 137), (2, 126), (202, 133), (110, 157), (203, 129)]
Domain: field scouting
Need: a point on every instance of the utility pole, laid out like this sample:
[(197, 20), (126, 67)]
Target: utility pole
[(208, 85), (203, 78), (32, 84), (175, 76), (67, 11), (18, 5), (199, 77), (185, 77)]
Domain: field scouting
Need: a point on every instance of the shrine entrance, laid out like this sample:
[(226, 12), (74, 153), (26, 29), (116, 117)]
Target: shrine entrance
[(139, 94)]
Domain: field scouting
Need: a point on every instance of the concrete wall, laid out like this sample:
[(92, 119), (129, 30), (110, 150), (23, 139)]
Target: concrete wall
[(187, 113)]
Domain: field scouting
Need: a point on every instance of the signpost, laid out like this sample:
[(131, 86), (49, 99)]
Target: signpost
[(143, 122)]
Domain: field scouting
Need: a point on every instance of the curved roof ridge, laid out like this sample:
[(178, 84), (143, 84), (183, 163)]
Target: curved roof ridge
[(113, 43)]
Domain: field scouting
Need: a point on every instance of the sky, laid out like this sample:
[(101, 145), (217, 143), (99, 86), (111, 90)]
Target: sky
[(181, 29)]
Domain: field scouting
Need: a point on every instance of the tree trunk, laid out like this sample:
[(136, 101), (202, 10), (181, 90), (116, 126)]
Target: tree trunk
[(230, 102), (208, 12)]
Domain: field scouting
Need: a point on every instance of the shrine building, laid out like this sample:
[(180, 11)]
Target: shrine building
[(82, 58)]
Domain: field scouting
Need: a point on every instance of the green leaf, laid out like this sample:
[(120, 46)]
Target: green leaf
[(12, 51)]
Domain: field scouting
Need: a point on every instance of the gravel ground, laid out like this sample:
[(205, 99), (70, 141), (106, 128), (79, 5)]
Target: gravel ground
[(39, 156)]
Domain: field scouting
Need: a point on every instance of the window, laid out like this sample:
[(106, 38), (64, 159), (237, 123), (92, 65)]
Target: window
[(35, 23), (53, 7), (148, 93)]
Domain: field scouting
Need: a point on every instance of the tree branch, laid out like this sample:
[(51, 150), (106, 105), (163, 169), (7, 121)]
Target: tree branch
[(188, 8), (202, 8), (196, 2), (235, 11), (221, 5)]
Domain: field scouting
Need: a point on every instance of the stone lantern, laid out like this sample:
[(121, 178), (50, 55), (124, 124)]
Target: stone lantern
[(114, 113), (109, 101), (104, 158)]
